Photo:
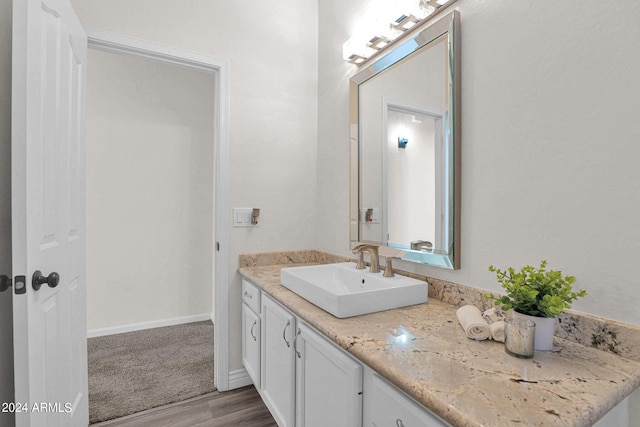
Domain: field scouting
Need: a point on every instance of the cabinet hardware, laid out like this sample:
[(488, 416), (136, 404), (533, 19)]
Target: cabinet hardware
[(284, 331), (295, 344), (253, 326)]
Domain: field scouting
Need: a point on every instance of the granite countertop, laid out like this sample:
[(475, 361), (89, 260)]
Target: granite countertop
[(423, 351)]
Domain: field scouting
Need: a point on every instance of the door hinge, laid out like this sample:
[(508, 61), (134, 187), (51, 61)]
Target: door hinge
[(20, 286), (5, 282)]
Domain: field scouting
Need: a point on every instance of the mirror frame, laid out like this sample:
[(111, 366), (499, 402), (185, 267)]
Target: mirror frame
[(400, 51)]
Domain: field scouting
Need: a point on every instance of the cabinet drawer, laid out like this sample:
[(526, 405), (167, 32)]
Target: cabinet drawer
[(385, 405), (251, 295)]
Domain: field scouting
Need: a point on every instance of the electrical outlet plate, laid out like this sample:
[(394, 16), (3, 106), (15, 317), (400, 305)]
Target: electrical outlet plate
[(373, 219), (242, 217)]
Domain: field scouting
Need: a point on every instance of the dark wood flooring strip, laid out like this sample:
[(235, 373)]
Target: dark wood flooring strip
[(254, 417), (240, 407)]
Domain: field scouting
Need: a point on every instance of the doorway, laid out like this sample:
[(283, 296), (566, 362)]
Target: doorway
[(193, 211), (149, 180), (413, 151)]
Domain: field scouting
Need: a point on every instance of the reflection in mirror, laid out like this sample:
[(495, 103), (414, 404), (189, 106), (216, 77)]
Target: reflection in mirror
[(405, 148)]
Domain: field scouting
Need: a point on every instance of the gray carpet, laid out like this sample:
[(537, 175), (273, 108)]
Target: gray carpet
[(135, 371)]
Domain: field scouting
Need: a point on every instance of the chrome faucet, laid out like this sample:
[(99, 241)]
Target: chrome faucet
[(373, 253)]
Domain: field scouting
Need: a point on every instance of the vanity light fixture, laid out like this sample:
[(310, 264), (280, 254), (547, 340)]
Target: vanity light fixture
[(379, 42), (405, 22), (360, 48)]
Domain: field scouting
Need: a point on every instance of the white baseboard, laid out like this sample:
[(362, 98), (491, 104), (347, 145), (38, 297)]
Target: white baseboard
[(148, 325), (239, 378)]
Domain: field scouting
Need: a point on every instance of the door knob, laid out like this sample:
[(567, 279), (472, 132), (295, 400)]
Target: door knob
[(5, 282), (38, 280)]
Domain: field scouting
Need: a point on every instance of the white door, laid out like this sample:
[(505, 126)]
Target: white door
[(328, 383), (251, 344), (49, 58), (277, 363)]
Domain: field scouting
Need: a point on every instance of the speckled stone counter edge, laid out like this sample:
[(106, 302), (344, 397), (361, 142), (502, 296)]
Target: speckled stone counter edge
[(607, 335)]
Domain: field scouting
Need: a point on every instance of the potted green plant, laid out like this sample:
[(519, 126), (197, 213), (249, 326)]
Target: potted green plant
[(537, 294)]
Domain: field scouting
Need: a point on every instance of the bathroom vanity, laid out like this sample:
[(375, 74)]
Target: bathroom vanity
[(412, 363), (301, 374)]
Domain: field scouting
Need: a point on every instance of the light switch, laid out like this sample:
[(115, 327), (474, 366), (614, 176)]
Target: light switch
[(242, 217)]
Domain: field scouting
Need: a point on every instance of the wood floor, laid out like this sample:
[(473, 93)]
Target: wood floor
[(240, 407)]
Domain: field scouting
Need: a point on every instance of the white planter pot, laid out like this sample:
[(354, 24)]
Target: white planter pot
[(545, 330)]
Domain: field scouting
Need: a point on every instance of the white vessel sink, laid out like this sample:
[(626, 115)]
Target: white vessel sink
[(344, 291)]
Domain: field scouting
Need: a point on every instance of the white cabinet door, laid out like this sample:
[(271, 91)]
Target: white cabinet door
[(385, 405), (251, 344), (328, 383), (47, 170), (278, 364)]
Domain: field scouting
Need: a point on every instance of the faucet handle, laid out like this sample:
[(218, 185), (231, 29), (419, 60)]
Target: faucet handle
[(388, 270)]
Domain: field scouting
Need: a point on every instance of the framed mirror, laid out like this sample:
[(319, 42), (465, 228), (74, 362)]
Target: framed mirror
[(405, 147)]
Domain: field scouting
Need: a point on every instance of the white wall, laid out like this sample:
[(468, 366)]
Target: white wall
[(272, 48), (149, 191), (6, 313), (549, 143)]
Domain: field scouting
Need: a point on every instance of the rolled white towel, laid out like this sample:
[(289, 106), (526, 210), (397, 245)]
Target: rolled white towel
[(472, 322), (497, 331), (492, 315)]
